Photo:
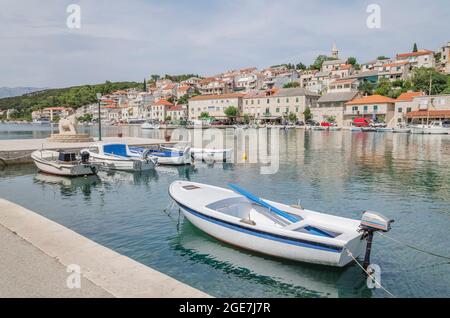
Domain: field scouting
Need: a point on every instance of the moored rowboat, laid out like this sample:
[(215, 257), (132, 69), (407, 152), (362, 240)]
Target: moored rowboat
[(242, 219)]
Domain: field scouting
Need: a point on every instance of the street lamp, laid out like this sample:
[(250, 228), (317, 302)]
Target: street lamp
[(99, 96)]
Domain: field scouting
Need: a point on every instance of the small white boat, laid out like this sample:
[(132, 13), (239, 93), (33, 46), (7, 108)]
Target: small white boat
[(401, 130), (64, 163), (353, 128), (384, 129), (148, 125), (368, 129), (206, 154), (291, 232), (119, 157), (173, 157), (334, 128)]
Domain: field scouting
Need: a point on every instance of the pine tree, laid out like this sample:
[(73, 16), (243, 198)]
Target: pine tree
[(145, 85), (415, 49)]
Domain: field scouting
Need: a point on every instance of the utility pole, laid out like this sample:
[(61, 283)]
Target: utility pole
[(99, 96)]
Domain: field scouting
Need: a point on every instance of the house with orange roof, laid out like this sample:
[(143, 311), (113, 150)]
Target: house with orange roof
[(159, 109), (177, 112), (396, 70), (278, 103), (375, 108), (404, 104), (443, 64), (426, 108), (215, 86), (184, 89), (214, 105), (421, 58)]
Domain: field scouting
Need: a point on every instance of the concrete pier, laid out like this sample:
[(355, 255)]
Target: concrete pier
[(36, 252), (18, 151)]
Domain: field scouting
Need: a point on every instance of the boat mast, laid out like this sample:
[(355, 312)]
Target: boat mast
[(429, 94)]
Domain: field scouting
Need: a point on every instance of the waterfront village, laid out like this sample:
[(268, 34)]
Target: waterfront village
[(335, 93)]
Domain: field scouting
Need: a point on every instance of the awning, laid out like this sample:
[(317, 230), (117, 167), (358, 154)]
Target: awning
[(429, 114)]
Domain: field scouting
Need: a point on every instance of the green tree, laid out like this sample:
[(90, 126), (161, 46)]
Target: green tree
[(183, 100), (246, 119), (231, 111), (168, 118), (317, 65), (382, 58), (307, 113), (204, 115), (300, 66), (145, 85), (421, 80), (331, 119), (291, 85), (366, 88), (415, 49), (384, 87), (352, 61), (292, 117)]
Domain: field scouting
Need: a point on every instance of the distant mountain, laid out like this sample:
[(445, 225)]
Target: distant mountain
[(17, 91)]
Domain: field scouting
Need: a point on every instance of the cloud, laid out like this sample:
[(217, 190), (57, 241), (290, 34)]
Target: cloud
[(128, 40)]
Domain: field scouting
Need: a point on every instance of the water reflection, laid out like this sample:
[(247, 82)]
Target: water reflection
[(283, 277), (68, 186)]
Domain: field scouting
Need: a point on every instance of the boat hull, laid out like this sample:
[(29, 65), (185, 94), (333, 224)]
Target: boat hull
[(262, 243), (274, 242), (66, 170), (123, 165)]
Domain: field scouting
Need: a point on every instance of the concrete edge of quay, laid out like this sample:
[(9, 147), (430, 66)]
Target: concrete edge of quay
[(117, 274)]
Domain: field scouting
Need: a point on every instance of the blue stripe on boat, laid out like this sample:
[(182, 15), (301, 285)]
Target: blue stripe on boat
[(269, 236)]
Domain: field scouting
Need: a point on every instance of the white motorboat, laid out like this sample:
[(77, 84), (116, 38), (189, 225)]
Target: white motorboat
[(148, 125), (119, 157), (206, 154), (291, 232), (64, 163), (434, 128), (173, 157)]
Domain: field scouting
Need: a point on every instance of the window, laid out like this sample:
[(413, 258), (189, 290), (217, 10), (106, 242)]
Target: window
[(400, 110), (296, 109), (287, 109), (246, 102), (253, 101), (296, 100), (277, 110), (268, 101), (375, 108), (278, 100), (355, 108), (408, 110), (258, 101), (287, 100), (366, 108)]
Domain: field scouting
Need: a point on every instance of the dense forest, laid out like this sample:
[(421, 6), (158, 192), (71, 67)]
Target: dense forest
[(75, 97)]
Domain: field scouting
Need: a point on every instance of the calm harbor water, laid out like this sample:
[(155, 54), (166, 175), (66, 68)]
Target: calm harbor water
[(405, 177)]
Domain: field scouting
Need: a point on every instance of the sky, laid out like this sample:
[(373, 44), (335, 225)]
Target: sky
[(131, 39)]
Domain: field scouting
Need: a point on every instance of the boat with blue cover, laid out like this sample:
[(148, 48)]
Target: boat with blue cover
[(166, 156), (119, 157), (242, 219)]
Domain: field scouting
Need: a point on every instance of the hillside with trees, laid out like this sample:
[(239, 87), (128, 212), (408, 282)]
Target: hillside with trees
[(74, 97)]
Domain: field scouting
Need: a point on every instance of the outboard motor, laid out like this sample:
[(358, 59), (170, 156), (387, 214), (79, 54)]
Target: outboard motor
[(84, 157), (372, 222)]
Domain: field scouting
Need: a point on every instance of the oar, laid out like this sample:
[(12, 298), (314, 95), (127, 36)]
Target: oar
[(287, 216)]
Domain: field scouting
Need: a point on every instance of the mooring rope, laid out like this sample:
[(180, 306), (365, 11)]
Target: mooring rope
[(369, 274), (414, 247)]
